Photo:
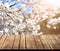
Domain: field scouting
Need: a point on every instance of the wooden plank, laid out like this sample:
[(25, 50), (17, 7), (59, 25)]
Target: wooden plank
[(1, 36), (38, 42), (48, 41), (2, 40), (30, 43), (16, 42), (52, 42), (57, 39), (58, 35), (44, 42), (22, 42), (8, 42)]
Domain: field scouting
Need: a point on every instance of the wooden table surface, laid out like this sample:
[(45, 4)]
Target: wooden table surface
[(50, 41)]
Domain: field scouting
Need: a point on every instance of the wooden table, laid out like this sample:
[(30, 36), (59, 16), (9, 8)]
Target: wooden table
[(50, 41)]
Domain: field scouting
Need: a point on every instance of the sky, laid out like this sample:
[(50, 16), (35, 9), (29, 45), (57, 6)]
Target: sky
[(18, 5), (54, 3)]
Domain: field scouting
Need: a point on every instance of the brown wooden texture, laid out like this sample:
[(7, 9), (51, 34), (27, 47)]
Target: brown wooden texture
[(30, 41)]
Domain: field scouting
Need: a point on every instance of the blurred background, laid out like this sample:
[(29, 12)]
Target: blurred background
[(29, 17)]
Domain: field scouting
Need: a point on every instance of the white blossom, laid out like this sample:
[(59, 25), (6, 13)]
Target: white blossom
[(48, 26), (15, 21), (54, 27)]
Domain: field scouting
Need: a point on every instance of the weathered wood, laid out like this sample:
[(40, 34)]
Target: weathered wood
[(8, 42), (48, 41), (44, 42), (16, 42), (22, 42), (1, 36), (57, 41), (58, 36), (38, 42), (2, 41), (52, 42), (30, 43)]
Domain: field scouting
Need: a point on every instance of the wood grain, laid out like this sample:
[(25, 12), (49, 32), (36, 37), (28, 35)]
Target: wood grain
[(8, 42), (30, 41)]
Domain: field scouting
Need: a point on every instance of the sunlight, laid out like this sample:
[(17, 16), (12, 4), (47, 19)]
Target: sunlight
[(54, 3)]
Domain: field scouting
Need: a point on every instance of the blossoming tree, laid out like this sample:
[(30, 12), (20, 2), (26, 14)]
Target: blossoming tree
[(28, 17)]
